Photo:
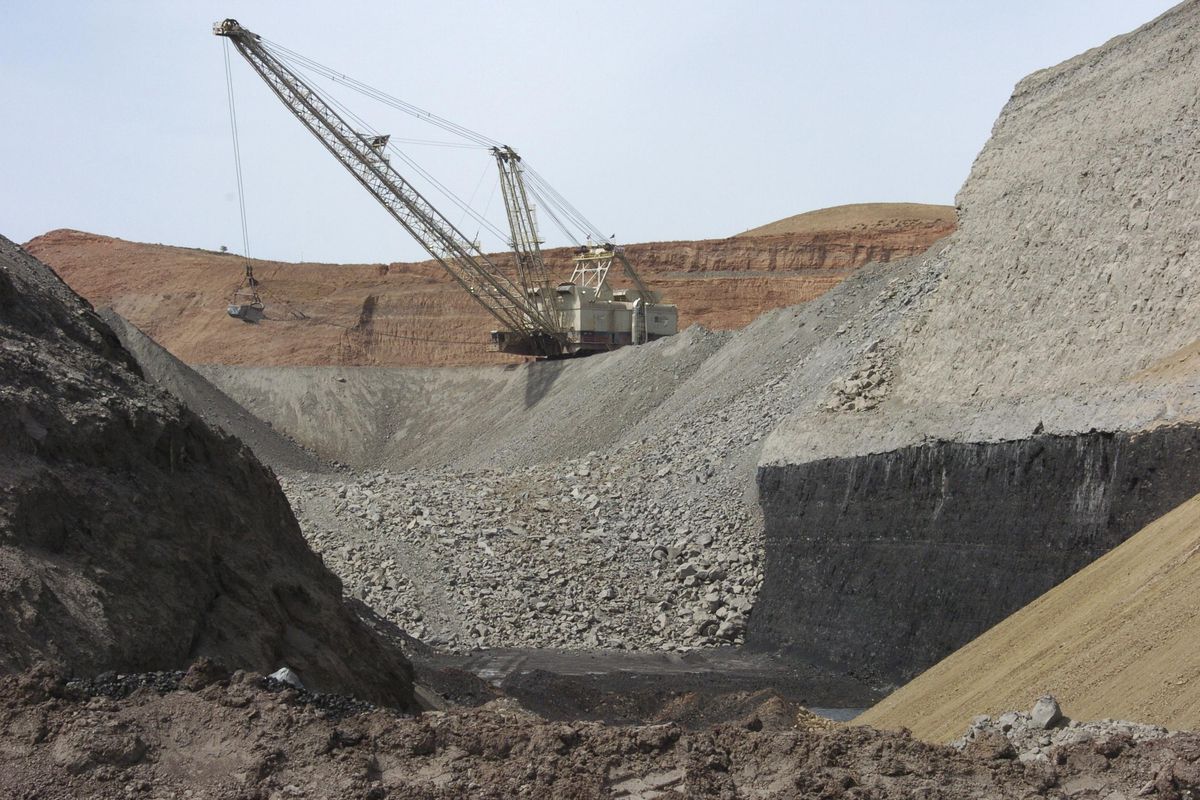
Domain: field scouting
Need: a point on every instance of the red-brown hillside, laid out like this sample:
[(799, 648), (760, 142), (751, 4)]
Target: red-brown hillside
[(413, 314)]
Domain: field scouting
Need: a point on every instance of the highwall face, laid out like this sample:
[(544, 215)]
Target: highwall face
[(883, 564)]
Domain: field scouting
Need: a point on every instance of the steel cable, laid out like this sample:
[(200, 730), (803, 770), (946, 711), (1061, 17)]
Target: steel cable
[(237, 154)]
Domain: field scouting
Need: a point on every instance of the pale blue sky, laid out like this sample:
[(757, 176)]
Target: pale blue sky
[(658, 120)]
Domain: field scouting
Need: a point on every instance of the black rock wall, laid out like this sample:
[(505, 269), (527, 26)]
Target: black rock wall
[(884, 564)]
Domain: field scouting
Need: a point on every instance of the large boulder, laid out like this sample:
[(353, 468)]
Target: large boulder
[(135, 537)]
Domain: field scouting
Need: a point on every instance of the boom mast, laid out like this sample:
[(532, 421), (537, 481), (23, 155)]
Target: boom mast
[(362, 155), (526, 244)]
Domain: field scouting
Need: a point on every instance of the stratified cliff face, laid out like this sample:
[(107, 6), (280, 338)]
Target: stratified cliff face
[(414, 315), (958, 463), (134, 537), (884, 564)]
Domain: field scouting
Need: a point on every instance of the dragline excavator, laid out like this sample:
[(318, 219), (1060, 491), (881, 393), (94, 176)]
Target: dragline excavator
[(538, 316)]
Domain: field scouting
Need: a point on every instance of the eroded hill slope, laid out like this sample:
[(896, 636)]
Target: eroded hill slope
[(414, 315)]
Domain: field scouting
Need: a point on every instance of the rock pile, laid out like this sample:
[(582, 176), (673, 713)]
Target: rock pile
[(654, 543), (1037, 734), (573, 555)]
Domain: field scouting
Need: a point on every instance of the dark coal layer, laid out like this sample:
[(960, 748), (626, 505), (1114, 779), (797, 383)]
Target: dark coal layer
[(884, 564)]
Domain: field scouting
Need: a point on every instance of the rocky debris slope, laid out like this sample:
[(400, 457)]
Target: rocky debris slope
[(414, 314), (1071, 277), (557, 557), (213, 405), (1039, 734), (604, 501), (1120, 638), (227, 736), (134, 537), (1063, 313)]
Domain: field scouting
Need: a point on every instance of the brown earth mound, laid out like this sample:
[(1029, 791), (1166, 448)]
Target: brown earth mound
[(413, 314), (134, 537), (1119, 639), (876, 217), (227, 736)]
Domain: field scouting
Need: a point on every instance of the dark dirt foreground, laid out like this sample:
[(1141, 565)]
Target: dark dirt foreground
[(211, 734), (133, 536)]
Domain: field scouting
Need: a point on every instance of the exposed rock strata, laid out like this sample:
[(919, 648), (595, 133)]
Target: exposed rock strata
[(414, 315), (884, 564)]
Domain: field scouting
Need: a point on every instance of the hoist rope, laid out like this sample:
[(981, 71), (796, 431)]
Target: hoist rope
[(367, 128), (478, 139), (237, 157), (474, 192), (550, 198), (352, 329)]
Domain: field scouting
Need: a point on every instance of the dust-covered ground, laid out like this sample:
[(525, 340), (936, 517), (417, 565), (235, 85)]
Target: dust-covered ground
[(212, 734)]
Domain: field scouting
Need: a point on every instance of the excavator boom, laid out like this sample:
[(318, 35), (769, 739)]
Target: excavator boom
[(538, 317), (362, 155), (526, 244)]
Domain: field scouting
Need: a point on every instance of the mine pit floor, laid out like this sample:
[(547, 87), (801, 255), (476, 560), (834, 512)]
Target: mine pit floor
[(637, 687)]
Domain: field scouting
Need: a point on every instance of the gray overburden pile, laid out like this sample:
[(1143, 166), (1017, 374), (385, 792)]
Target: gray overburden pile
[(602, 502)]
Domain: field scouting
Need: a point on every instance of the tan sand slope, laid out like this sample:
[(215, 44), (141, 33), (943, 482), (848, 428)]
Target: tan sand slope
[(878, 217), (1120, 639)]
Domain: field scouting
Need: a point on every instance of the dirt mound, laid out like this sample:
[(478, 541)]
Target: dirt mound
[(877, 217), (213, 405), (414, 314), (1119, 639), (229, 736), (134, 537)]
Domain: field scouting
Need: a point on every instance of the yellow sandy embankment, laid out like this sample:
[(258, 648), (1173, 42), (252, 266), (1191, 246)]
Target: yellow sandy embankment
[(1119, 639)]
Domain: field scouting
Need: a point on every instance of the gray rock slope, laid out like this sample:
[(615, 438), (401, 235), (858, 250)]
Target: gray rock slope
[(134, 537), (1068, 295), (919, 414), (607, 501), (213, 405)]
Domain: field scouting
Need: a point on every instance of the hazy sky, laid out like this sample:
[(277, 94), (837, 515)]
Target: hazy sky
[(658, 120)]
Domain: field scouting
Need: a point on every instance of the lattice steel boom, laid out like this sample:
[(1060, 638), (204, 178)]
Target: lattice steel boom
[(526, 244), (362, 155)]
